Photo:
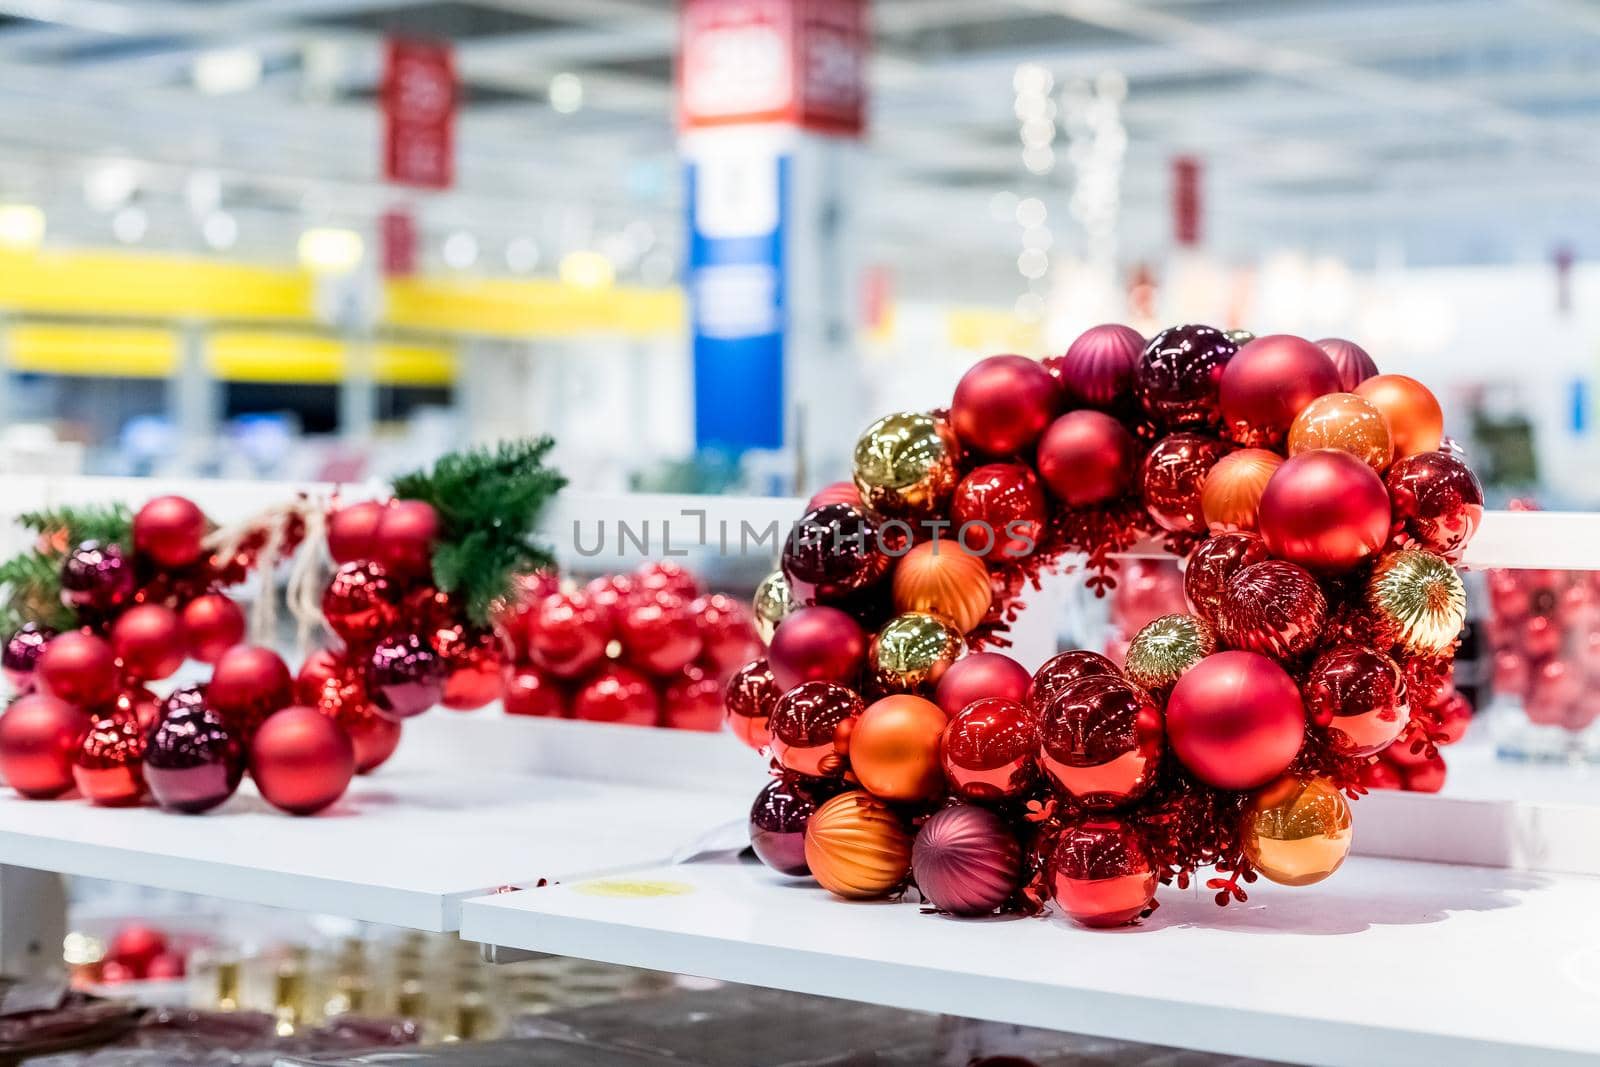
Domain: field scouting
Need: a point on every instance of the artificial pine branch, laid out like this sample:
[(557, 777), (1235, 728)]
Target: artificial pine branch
[(30, 583), (489, 502)]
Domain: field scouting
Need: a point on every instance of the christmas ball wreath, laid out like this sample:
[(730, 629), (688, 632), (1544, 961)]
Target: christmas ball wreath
[(1319, 513)]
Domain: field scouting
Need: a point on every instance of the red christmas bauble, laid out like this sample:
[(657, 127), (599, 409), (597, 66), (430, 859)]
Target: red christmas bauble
[(1274, 608), (1357, 695), (109, 764), (811, 726), (1179, 374), (140, 704), (1101, 874), (836, 493), (1213, 563), (989, 750), (778, 824), (1350, 360), (817, 644), (471, 661), (1098, 368), (669, 576), (21, 654), (39, 736), (329, 682), (149, 640), (1174, 476), (404, 676), (79, 668), (1235, 720), (1511, 672), (352, 531), (692, 701), (660, 633), (966, 861), (1147, 590), (567, 634), (212, 624), (96, 578), (1454, 716), (1438, 502), (374, 737), (617, 694), (248, 684), (1267, 383), (1002, 404), (169, 530), (981, 675), (1101, 742), (360, 601), (1087, 457), (1060, 671), (529, 691), (999, 511), (1541, 636), (1555, 690), (727, 633), (750, 696), (1326, 510), (404, 539), (610, 593), (302, 761), (192, 763)]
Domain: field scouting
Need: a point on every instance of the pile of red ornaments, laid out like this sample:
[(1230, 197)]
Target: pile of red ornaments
[(651, 648), (1318, 513)]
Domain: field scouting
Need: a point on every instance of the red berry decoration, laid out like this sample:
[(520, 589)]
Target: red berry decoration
[(1086, 458), (660, 633), (750, 696), (404, 539), (567, 634), (980, 675), (248, 684), (1101, 742), (1326, 510), (1180, 373), (39, 737), (1350, 360), (79, 668), (1062, 670), (404, 676), (108, 766), (1274, 608), (1438, 502), (1173, 476), (169, 530), (192, 763), (1002, 405), (778, 825), (21, 654), (989, 750), (212, 624), (96, 578), (149, 640), (811, 727), (529, 691), (1235, 720), (360, 602), (1101, 874), (832, 552), (817, 644), (352, 531), (692, 701), (301, 761), (618, 694), (1213, 563), (999, 511), (1358, 696), (1267, 383), (1099, 367), (965, 860)]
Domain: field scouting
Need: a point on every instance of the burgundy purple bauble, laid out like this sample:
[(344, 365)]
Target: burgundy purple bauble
[(965, 861)]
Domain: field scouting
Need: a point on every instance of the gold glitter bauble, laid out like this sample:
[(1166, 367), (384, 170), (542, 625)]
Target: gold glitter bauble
[(1297, 833), (911, 653), (906, 465), (773, 601), (1165, 649), (1421, 598)]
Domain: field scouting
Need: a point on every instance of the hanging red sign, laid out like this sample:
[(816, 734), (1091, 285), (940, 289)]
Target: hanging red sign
[(1186, 200), (398, 230), (419, 112)]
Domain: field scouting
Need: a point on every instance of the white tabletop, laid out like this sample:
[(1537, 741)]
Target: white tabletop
[(1389, 962)]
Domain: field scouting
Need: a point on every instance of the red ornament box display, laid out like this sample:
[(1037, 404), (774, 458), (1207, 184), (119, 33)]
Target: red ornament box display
[(1318, 512)]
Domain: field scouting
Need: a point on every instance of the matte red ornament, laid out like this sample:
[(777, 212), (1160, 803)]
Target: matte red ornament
[(811, 726), (1087, 457), (836, 493), (1274, 608), (1350, 360), (1213, 563), (567, 634), (471, 660), (1098, 368), (39, 736), (832, 552), (978, 676), (21, 654), (301, 760), (108, 766), (727, 633), (1358, 697), (1101, 874), (817, 644), (668, 576), (617, 694), (212, 624), (1179, 374), (989, 750), (1426, 777), (352, 531), (96, 578), (529, 691), (999, 511), (1002, 404), (1381, 775), (404, 539), (248, 684), (1438, 503), (169, 530), (778, 824), (1063, 669), (750, 696), (1101, 742), (965, 861), (1173, 477), (79, 668), (660, 633), (404, 676), (1267, 383), (1326, 510), (149, 640), (692, 701), (1236, 720), (360, 602)]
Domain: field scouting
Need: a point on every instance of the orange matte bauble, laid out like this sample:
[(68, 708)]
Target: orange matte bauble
[(941, 578), (1297, 832), (894, 748), (856, 847), (1416, 424), (1347, 422), (1232, 490)]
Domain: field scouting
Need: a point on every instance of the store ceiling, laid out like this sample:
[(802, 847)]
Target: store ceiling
[(1415, 131)]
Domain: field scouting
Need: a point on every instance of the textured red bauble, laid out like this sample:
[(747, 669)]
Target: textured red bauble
[(999, 511), (1350, 360), (79, 668), (981, 675), (1213, 563), (965, 861), (404, 538), (567, 634), (212, 624), (1358, 696), (1101, 874), (692, 701), (750, 696), (620, 695), (989, 749), (301, 760), (352, 530), (778, 824), (169, 530), (1173, 478), (1098, 368), (1235, 720), (248, 684), (1274, 608), (1087, 457), (660, 633), (811, 726), (1438, 502), (727, 633), (1326, 510), (667, 575), (1061, 670), (529, 691), (360, 601), (149, 640), (404, 676), (109, 764), (817, 644), (1267, 382), (1100, 742), (1179, 374), (1002, 404), (39, 736)]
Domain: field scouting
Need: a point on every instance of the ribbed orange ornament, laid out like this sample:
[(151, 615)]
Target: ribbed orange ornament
[(941, 578), (1233, 487), (856, 847)]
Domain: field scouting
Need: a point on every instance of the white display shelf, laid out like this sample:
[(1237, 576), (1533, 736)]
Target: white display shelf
[(1388, 962)]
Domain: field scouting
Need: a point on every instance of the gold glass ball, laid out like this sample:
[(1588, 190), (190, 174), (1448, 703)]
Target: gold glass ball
[(1297, 832), (1165, 648), (773, 601), (911, 653), (906, 465), (1421, 598)]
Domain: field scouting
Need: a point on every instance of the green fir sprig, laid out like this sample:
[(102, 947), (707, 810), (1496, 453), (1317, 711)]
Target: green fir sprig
[(489, 502), (30, 583)]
